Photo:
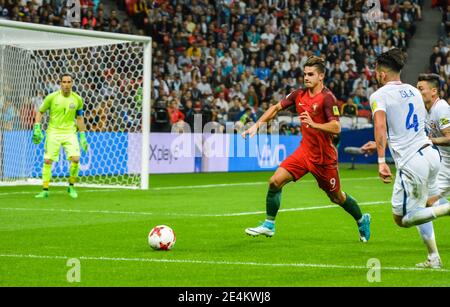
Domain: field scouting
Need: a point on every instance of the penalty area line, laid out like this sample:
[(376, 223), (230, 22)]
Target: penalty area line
[(226, 263)]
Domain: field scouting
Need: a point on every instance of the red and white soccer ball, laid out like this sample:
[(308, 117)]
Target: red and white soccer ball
[(161, 237)]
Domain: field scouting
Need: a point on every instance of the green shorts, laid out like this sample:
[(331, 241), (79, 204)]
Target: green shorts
[(53, 143)]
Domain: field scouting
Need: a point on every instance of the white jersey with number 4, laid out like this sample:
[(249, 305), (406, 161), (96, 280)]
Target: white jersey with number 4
[(405, 117)]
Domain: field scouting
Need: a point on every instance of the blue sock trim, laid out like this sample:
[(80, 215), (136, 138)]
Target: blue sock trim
[(269, 224)]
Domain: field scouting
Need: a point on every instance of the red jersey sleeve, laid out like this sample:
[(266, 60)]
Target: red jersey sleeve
[(331, 108), (289, 100)]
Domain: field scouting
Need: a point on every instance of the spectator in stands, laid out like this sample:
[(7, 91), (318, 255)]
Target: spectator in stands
[(160, 120), (436, 53), (175, 115), (247, 116), (234, 110), (204, 86), (262, 72), (89, 19), (349, 108), (284, 130), (4, 12), (251, 97), (189, 113), (437, 66)]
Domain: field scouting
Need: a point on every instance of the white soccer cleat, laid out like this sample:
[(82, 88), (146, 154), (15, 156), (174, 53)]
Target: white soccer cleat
[(431, 263), (260, 230)]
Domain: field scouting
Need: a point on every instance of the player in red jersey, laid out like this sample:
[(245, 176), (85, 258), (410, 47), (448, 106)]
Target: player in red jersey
[(319, 115)]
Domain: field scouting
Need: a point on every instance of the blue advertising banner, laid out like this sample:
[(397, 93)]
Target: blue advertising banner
[(18, 153), (260, 153), (116, 153), (107, 155)]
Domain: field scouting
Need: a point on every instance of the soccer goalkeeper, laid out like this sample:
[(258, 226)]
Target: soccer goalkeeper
[(64, 107)]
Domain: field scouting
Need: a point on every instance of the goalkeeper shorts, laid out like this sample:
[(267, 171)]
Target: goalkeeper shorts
[(53, 144)]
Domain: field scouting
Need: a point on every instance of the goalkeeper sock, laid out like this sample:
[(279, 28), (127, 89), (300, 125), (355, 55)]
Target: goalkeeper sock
[(273, 202), (74, 168), (46, 175), (351, 206)]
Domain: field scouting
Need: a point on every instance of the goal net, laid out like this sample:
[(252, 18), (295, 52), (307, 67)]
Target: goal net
[(111, 72)]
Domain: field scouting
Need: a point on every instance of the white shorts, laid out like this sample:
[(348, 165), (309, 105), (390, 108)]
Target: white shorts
[(442, 185), (413, 181)]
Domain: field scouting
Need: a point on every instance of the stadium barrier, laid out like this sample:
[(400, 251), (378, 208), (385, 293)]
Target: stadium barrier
[(118, 153)]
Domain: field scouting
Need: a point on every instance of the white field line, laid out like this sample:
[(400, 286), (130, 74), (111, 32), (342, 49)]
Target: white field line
[(190, 187), (58, 192), (182, 214), (210, 262), (244, 184)]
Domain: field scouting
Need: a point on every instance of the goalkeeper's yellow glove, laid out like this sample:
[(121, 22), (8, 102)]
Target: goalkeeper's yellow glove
[(38, 136), (83, 142)]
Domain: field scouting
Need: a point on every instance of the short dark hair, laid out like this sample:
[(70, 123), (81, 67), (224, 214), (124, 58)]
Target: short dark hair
[(393, 59), (65, 75), (432, 79), (317, 62)]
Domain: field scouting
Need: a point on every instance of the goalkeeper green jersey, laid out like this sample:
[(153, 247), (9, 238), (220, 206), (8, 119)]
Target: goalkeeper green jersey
[(63, 111)]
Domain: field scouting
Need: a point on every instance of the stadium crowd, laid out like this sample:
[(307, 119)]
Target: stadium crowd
[(440, 56), (229, 60)]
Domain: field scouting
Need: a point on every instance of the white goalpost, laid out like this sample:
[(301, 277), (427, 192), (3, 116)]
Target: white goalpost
[(111, 72)]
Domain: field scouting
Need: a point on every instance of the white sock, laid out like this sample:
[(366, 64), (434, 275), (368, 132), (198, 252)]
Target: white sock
[(441, 210), (424, 215), (442, 201), (418, 216), (426, 231)]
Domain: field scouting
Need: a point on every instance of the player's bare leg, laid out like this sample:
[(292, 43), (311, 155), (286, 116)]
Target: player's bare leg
[(46, 176), (349, 204), (74, 169), (273, 201)]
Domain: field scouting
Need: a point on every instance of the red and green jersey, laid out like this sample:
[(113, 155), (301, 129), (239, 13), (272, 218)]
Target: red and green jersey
[(323, 108)]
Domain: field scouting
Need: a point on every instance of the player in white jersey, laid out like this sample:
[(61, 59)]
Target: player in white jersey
[(438, 128), (399, 118)]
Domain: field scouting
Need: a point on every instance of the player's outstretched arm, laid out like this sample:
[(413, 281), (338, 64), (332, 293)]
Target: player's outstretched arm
[(380, 130), (266, 117), (38, 135), (82, 129)]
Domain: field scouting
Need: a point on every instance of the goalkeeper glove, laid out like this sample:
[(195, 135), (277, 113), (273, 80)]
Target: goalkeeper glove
[(83, 141), (38, 136)]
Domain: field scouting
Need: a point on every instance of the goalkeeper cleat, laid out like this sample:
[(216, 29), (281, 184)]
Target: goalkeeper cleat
[(364, 228), (43, 194), (264, 229), (72, 192), (431, 263)]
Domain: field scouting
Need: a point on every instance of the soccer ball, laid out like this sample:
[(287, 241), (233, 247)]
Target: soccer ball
[(161, 237)]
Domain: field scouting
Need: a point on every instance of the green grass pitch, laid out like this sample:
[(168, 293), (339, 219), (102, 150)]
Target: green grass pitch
[(106, 230)]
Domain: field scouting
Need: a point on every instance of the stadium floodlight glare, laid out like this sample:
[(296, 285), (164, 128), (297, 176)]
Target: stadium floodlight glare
[(111, 72)]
